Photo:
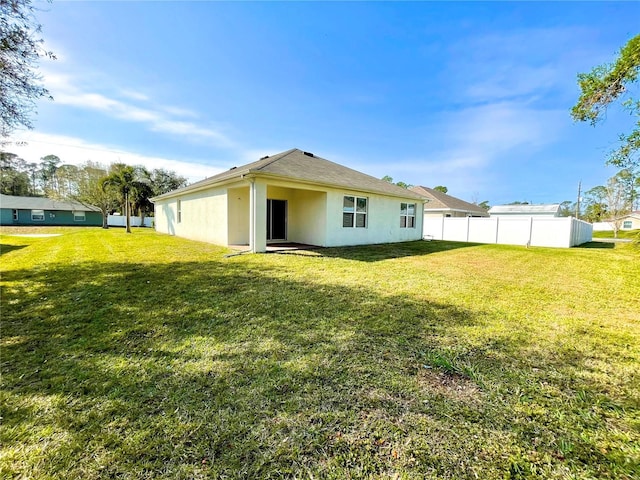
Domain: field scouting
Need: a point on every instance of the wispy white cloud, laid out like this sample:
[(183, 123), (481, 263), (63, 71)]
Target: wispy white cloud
[(32, 146), (180, 112), (133, 95), (158, 118), (475, 139), (524, 62)]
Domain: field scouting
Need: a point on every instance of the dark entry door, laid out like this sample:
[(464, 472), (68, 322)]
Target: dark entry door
[(276, 219)]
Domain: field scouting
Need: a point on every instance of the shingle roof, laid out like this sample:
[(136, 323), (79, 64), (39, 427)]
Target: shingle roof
[(295, 164), (442, 201), (41, 203)]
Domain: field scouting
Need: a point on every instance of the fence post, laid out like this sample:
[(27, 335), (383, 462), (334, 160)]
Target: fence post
[(573, 231)]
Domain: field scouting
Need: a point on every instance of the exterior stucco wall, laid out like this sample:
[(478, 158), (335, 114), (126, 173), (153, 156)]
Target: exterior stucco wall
[(238, 212), (383, 221), (164, 217), (203, 216), (635, 223), (309, 217)]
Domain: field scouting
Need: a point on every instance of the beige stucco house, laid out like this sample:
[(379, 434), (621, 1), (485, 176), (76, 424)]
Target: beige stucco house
[(295, 197), (438, 204), (630, 221)]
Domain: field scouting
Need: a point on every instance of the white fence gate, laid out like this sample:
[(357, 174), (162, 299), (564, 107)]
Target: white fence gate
[(121, 221), (561, 232)]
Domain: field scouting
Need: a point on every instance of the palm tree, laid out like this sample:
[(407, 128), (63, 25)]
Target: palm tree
[(140, 200), (124, 179)]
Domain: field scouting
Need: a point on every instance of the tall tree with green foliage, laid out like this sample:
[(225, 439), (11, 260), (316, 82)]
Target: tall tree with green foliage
[(13, 179), (91, 191), (617, 202), (389, 179), (595, 204), (630, 181), (125, 180), (49, 181), (609, 83), (20, 51), (163, 181), (441, 188), (484, 205)]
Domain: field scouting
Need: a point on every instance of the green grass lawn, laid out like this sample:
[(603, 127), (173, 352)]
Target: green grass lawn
[(621, 234), (146, 356)]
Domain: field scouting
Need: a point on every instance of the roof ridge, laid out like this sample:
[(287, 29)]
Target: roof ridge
[(277, 158)]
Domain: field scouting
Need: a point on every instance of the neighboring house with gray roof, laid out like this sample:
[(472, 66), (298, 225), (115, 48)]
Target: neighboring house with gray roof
[(520, 210), (440, 204), (295, 197), (46, 211)]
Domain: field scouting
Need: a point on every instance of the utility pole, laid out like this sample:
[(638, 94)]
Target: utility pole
[(578, 200)]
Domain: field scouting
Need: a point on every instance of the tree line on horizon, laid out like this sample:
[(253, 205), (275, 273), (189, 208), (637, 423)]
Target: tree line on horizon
[(117, 187)]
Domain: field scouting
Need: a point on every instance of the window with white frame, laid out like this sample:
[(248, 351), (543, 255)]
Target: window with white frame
[(407, 215), (37, 215), (354, 212), (627, 224), (179, 211), (79, 216)]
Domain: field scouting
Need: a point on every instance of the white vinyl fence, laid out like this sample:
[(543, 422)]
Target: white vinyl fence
[(121, 221), (561, 232), (602, 227)]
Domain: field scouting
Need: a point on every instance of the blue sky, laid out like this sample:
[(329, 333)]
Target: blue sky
[(474, 96)]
